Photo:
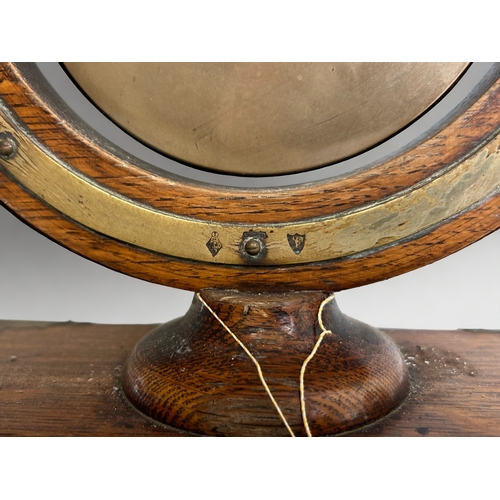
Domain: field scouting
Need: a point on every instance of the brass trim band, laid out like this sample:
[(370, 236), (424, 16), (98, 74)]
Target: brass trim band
[(308, 241)]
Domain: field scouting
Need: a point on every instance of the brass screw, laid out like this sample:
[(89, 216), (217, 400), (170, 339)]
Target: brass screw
[(8, 147), (253, 246)]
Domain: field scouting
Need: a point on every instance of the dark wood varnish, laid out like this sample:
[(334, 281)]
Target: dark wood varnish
[(445, 147), (62, 379), (192, 375)]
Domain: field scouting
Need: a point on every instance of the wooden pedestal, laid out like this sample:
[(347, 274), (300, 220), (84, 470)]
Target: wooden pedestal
[(64, 379), (194, 374)]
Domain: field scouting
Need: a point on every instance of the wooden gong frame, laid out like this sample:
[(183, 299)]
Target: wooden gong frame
[(61, 139), (71, 185)]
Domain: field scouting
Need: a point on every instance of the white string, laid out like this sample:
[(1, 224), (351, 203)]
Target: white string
[(324, 332), (261, 375)]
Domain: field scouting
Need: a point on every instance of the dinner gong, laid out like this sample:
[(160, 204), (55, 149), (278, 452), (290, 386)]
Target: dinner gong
[(257, 192)]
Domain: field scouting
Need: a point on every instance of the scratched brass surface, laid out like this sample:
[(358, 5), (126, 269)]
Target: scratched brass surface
[(313, 240), (263, 118)]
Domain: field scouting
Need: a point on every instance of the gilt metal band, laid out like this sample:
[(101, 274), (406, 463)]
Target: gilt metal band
[(308, 241)]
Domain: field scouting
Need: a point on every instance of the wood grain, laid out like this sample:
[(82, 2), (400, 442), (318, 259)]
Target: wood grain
[(443, 148), (455, 385), (192, 374), (62, 382), (477, 124)]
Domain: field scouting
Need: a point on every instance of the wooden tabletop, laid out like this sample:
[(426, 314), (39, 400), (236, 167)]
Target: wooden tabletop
[(63, 379)]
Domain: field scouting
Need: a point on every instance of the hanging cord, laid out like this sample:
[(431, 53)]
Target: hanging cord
[(324, 332), (261, 376)]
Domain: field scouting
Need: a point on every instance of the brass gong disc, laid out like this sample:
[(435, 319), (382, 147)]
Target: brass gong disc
[(263, 118)]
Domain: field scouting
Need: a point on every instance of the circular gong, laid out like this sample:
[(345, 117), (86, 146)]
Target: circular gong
[(432, 197), (263, 118)]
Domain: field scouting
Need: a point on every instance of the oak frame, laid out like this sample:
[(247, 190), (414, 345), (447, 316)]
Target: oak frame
[(45, 123)]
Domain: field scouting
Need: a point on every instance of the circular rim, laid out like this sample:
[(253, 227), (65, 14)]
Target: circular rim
[(472, 82), (466, 146)]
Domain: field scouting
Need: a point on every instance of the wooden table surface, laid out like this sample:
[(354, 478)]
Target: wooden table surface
[(63, 379)]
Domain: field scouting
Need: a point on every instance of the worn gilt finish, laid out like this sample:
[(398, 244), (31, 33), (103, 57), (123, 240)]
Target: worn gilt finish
[(374, 218), (341, 235)]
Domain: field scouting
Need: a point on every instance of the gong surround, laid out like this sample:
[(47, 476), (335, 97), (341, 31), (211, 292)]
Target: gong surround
[(278, 244), (89, 159)]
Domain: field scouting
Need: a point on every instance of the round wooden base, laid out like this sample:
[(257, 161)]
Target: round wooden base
[(192, 373)]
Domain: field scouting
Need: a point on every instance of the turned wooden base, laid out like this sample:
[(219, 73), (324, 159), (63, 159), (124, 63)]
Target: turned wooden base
[(193, 375), (63, 379)]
